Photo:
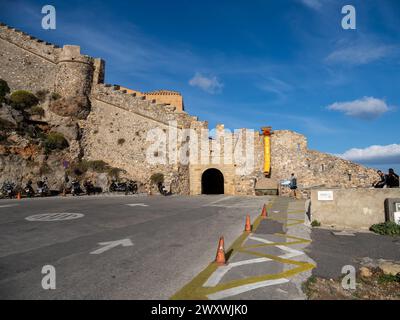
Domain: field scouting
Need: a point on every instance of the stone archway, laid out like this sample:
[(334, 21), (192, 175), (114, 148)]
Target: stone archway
[(212, 182)]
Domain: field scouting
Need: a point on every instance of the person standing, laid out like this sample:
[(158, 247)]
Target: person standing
[(293, 185), (392, 179)]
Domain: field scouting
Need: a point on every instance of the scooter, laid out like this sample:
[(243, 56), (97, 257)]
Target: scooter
[(29, 190), (90, 188), (8, 190), (76, 189), (163, 190), (127, 187), (43, 189)]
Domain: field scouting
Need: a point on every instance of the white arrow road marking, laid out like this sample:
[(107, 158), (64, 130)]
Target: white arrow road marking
[(112, 244), (137, 205)]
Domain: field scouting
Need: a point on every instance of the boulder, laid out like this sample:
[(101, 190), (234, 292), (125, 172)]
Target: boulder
[(365, 272), (390, 268), (7, 117)]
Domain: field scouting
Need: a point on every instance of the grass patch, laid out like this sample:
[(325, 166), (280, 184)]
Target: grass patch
[(37, 111), (22, 99), (388, 278)]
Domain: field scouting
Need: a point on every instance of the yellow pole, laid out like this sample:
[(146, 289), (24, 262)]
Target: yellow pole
[(267, 150)]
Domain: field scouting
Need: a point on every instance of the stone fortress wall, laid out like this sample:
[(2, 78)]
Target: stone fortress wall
[(117, 126)]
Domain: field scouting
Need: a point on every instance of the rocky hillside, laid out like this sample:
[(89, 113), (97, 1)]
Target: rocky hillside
[(40, 136)]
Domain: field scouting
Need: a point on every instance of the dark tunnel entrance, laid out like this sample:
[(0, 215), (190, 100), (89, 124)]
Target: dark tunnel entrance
[(212, 182)]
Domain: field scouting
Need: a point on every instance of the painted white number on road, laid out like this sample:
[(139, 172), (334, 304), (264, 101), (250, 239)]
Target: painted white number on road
[(112, 244), (54, 216)]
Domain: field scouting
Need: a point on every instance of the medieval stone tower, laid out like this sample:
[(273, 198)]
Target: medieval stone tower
[(74, 73)]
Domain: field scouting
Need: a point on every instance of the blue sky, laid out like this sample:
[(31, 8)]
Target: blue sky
[(286, 63)]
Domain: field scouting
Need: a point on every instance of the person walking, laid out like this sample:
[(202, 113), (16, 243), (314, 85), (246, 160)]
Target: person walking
[(293, 185)]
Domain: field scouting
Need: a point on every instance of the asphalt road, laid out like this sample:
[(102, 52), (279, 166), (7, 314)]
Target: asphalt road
[(169, 240)]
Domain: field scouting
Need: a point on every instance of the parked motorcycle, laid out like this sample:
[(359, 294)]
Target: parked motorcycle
[(29, 192), (90, 188), (127, 187), (163, 190), (76, 189), (8, 189), (43, 188)]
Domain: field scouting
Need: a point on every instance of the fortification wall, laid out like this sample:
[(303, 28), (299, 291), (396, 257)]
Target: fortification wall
[(290, 154), (120, 137), (25, 62)]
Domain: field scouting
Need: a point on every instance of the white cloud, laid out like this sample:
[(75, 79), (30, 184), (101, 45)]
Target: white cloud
[(313, 4), (276, 86), (365, 108), (209, 84), (389, 154), (359, 54)]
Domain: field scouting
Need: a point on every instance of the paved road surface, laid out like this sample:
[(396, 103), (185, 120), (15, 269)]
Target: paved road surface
[(173, 238)]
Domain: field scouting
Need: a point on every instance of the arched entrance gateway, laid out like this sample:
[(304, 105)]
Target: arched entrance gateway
[(212, 182)]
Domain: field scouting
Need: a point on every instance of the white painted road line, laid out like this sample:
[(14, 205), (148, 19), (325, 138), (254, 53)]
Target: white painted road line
[(344, 233), (137, 205), (291, 252), (219, 200), (112, 244), (216, 277), (238, 290), (55, 216), (8, 205)]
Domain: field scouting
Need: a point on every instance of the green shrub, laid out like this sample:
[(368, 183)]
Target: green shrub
[(36, 110), (81, 167), (387, 228), (315, 223), (4, 89), (121, 141), (55, 141), (157, 178), (387, 278), (22, 99)]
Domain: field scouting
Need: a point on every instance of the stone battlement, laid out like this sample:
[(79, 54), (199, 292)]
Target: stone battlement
[(29, 43)]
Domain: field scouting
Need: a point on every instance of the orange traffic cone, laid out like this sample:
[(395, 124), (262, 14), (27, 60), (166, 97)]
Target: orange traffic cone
[(264, 212), (247, 227), (19, 195), (220, 259)]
